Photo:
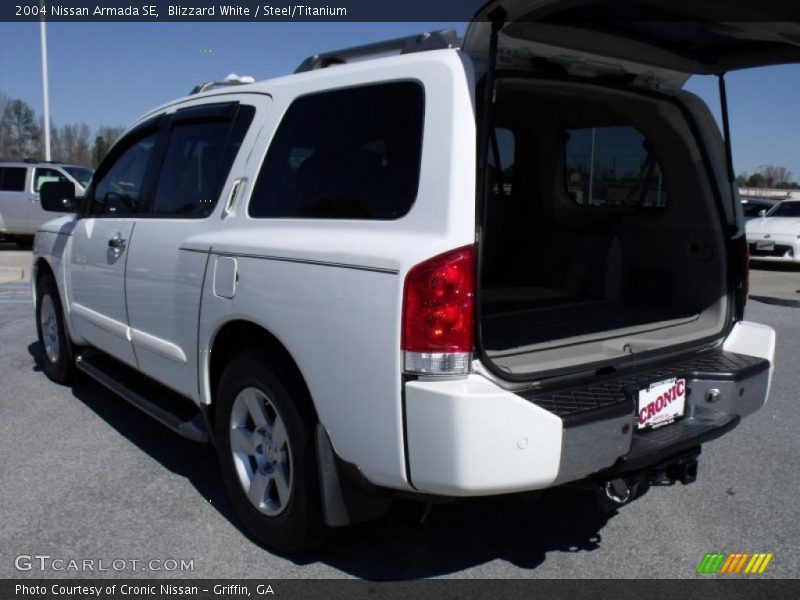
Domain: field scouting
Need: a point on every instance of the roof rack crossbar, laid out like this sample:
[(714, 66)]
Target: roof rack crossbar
[(432, 40)]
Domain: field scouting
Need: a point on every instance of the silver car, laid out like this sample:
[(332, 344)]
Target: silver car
[(21, 212)]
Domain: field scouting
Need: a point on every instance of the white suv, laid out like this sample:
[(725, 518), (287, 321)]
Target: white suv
[(364, 281), (21, 213)]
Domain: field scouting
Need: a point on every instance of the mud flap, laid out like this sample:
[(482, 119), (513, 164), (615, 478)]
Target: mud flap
[(343, 501)]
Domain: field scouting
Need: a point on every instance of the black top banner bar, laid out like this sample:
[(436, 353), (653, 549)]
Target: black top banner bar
[(380, 10), (238, 10)]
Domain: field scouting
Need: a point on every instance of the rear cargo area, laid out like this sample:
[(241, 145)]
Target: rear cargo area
[(602, 234)]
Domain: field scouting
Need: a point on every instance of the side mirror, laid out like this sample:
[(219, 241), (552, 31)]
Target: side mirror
[(762, 212), (58, 196)]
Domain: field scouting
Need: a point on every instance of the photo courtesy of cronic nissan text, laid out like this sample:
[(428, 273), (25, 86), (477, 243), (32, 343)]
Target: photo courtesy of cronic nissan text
[(444, 298)]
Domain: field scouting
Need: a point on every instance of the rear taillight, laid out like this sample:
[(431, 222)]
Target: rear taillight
[(438, 314)]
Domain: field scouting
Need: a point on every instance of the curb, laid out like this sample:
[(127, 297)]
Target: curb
[(12, 274)]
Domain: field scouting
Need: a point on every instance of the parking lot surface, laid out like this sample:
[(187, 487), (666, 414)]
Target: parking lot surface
[(86, 476), (14, 263)]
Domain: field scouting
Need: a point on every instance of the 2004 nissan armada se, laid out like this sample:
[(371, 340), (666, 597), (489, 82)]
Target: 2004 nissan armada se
[(456, 269)]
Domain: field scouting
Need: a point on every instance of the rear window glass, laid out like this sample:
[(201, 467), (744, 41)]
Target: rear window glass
[(12, 179), (345, 154), (612, 166)]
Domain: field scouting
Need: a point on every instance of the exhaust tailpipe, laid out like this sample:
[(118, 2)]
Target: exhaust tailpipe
[(613, 493)]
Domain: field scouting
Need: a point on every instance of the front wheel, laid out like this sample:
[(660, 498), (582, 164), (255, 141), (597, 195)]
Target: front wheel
[(266, 452), (58, 362)]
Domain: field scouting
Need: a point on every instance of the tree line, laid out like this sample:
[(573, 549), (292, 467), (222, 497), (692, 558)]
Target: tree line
[(22, 136), (768, 176)]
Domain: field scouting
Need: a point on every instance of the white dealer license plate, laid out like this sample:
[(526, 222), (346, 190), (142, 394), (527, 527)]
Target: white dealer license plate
[(661, 403), (766, 245)]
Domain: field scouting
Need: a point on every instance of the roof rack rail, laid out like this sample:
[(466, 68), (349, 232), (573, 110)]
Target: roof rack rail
[(431, 40), (232, 79)]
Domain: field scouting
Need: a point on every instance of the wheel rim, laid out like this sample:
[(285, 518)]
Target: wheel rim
[(261, 451), (49, 327)]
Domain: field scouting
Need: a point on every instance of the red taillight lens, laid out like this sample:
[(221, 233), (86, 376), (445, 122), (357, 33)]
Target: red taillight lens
[(438, 313)]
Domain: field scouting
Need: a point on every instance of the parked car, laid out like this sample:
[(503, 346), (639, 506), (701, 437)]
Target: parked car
[(21, 212), (365, 281), (752, 207), (775, 236)]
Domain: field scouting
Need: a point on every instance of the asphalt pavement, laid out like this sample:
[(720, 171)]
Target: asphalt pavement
[(15, 264), (85, 476)]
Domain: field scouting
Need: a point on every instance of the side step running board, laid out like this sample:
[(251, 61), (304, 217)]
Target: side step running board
[(186, 422)]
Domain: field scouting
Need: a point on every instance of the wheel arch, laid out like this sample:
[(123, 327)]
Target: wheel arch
[(40, 268), (240, 334)]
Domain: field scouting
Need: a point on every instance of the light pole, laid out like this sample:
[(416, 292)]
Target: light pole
[(43, 32)]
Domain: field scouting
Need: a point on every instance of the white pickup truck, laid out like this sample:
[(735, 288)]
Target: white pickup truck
[(450, 270)]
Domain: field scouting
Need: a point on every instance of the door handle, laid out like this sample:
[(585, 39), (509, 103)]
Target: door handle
[(117, 243), (237, 187)]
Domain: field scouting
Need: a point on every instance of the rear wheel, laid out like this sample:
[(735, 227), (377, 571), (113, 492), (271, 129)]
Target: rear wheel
[(267, 455), (58, 361)]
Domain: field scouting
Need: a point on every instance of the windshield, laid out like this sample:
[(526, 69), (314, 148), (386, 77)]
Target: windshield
[(81, 174), (785, 209), (752, 208)]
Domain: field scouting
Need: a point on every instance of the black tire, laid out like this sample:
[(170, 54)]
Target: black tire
[(299, 526), (59, 365)]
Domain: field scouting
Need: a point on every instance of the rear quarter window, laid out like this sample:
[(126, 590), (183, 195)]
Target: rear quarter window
[(12, 179), (344, 154)]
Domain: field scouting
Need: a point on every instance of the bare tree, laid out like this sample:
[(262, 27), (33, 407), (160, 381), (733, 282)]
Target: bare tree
[(21, 136), (20, 133), (741, 179), (775, 176), (57, 150), (75, 140), (4, 100), (756, 180), (105, 138), (110, 134), (82, 153)]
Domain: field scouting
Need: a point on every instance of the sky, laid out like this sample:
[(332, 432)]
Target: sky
[(110, 73)]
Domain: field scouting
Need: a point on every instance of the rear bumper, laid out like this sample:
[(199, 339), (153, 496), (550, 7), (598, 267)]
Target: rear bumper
[(470, 437)]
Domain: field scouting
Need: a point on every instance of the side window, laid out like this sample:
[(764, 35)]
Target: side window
[(345, 154), (198, 158), (12, 179), (118, 191), (612, 166), (43, 175)]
